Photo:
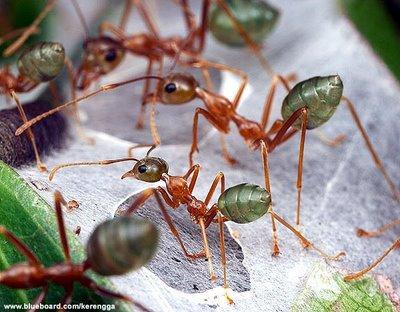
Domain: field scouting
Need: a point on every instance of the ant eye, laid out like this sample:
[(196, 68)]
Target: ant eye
[(171, 87), (111, 55), (142, 168)]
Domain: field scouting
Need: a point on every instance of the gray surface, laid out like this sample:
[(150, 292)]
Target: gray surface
[(342, 189)]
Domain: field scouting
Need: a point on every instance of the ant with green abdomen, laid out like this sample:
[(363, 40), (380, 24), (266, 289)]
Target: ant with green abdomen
[(308, 105), (130, 250), (243, 203)]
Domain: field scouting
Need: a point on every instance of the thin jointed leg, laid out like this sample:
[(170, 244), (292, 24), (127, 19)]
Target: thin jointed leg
[(379, 231), (223, 256), (271, 94), (31, 29), (58, 201), (361, 273), (300, 163), (22, 248), (305, 242), (39, 299), (31, 136), (371, 149), (267, 181)]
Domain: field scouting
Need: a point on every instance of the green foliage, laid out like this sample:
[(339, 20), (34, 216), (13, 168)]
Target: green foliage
[(374, 22), (17, 14), (326, 290), (29, 217)]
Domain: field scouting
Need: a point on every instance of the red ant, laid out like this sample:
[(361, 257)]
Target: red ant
[(33, 274), (308, 105), (243, 203)]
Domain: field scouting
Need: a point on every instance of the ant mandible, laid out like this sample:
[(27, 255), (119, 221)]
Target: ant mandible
[(243, 203), (106, 240)]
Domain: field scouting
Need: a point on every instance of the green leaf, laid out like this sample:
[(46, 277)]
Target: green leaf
[(27, 215), (325, 290), (375, 23)]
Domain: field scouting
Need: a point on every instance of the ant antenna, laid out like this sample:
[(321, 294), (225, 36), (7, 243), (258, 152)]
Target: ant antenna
[(81, 17), (103, 88), (89, 163)]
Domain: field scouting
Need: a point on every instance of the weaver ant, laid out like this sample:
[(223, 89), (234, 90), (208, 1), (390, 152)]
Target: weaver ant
[(308, 105), (131, 241), (243, 203), (37, 64)]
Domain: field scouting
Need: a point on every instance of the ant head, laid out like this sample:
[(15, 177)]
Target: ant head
[(101, 56), (148, 169), (177, 88)]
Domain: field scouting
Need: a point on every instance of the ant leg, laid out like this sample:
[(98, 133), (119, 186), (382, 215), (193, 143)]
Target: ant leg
[(116, 31), (75, 110), (213, 277), (125, 14), (305, 242), (31, 136), (300, 163), (171, 225), (282, 136), (153, 102), (39, 299), (219, 179), (103, 88), (16, 33), (267, 182), (140, 119), (146, 194), (195, 171), (371, 149), (67, 298), (224, 148), (91, 284), (89, 163), (203, 26), (31, 29), (148, 19), (22, 248), (200, 63), (270, 96), (379, 231), (361, 273), (214, 121), (223, 257), (254, 47), (188, 15), (58, 201), (336, 141)]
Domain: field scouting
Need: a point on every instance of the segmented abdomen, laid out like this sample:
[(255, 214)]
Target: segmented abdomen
[(122, 244), (244, 203), (256, 17), (42, 62), (320, 95)]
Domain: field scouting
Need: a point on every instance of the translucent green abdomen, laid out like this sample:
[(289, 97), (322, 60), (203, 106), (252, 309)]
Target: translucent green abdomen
[(244, 203), (320, 95), (42, 62), (121, 245), (257, 17)]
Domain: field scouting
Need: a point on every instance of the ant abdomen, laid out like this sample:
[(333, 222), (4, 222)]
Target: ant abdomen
[(42, 62), (257, 18), (121, 245), (320, 95), (244, 203)]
